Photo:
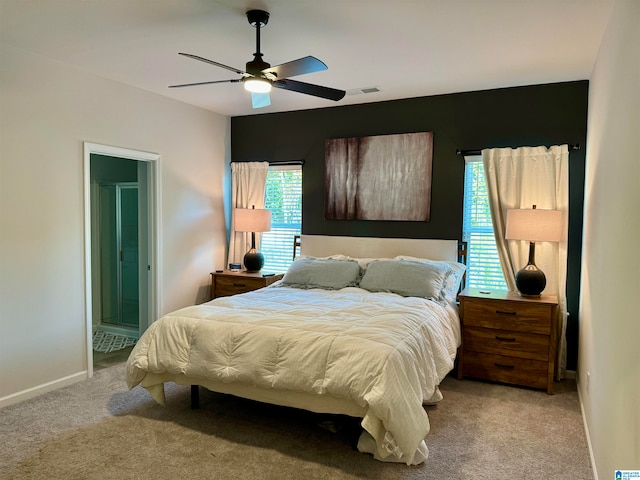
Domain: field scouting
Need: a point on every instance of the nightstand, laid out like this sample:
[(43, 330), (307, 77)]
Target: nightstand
[(508, 338), (226, 283)]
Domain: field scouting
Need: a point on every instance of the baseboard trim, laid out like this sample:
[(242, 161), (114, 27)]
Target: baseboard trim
[(586, 432), (44, 388)]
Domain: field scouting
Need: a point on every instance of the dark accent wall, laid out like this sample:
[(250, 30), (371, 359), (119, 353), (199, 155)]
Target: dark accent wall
[(551, 114)]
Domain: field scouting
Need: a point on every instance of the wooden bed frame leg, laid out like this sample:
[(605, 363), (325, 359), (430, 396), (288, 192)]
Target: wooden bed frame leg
[(195, 397)]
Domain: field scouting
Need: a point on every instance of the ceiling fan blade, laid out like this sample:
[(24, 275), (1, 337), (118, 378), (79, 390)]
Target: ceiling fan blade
[(300, 66), (310, 89), (211, 62), (259, 100), (235, 80)]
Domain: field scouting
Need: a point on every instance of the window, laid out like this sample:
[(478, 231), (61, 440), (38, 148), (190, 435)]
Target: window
[(283, 196), (483, 263)]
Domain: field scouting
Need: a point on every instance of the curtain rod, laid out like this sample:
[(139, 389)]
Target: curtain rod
[(479, 152), (288, 162), (283, 162)]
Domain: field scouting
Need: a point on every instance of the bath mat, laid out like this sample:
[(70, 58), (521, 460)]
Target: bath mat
[(108, 342)]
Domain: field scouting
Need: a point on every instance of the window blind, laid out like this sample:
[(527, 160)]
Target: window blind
[(283, 196), (483, 264)]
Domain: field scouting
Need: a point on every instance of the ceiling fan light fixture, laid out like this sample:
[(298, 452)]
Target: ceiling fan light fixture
[(257, 85), (260, 76)]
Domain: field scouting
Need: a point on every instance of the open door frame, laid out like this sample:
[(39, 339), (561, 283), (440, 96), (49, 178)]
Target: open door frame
[(151, 264)]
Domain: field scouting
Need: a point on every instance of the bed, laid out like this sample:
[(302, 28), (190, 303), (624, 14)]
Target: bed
[(358, 326)]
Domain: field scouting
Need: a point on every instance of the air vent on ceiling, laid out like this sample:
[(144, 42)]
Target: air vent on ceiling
[(360, 91)]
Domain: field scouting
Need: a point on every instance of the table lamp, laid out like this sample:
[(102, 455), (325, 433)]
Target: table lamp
[(252, 220), (533, 225)]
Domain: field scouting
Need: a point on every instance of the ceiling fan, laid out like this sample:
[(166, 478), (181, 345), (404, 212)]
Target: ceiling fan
[(259, 76)]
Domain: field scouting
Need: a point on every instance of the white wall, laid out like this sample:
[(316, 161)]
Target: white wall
[(610, 322), (47, 111)]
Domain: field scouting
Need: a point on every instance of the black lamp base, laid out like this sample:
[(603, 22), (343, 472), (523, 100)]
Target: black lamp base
[(253, 261), (530, 281)]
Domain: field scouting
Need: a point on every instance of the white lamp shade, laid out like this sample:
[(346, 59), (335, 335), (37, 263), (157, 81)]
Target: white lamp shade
[(251, 220), (534, 225)]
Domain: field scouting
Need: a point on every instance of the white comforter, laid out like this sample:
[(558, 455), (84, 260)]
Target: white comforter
[(385, 352)]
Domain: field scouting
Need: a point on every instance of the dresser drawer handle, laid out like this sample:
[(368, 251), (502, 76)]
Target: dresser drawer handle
[(505, 339), (239, 285), (506, 367), (502, 312)]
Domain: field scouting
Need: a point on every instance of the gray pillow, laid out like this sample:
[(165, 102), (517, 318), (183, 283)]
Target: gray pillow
[(407, 278), (324, 273), (452, 280)]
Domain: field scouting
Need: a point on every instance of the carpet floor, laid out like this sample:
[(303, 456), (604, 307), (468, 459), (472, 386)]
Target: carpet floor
[(99, 429)]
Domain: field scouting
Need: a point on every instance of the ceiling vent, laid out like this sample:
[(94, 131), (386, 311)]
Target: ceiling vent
[(360, 91)]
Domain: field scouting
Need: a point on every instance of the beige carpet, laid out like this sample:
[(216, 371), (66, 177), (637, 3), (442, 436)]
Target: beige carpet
[(97, 429)]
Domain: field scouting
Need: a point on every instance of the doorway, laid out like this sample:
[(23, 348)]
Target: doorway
[(121, 247)]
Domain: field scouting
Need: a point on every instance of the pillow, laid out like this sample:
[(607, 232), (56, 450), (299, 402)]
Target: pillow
[(407, 278), (327, 273), (363, 262), (453, 280)]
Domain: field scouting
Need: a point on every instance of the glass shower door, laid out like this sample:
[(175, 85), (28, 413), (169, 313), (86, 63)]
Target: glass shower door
[(109, 309), (129, 309), (119, 268)]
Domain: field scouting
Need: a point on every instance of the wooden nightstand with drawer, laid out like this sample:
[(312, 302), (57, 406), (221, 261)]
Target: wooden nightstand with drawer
[(227, 283), (508, 338)]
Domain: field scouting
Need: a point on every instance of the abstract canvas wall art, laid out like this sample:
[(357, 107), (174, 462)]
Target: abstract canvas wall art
[(384, 177)]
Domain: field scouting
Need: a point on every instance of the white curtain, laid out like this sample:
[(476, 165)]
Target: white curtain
[(520, 178), (248, 183)]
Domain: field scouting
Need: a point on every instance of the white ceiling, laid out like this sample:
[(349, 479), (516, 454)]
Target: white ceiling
[(406, 48)]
